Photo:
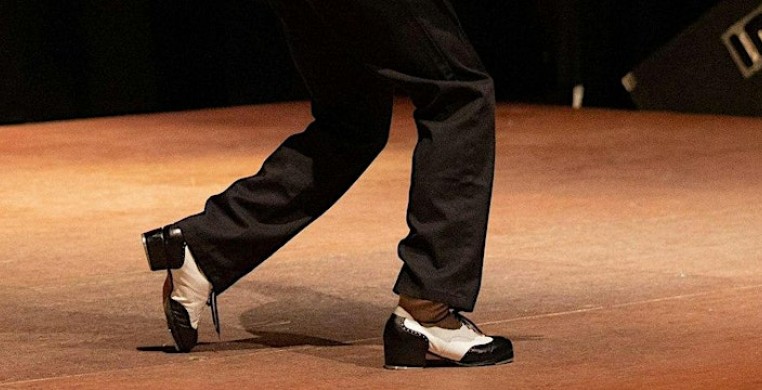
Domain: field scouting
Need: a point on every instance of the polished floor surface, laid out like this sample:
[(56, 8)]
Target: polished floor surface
[(625, 251)]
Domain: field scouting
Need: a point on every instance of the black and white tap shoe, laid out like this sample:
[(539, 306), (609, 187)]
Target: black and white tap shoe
[(186, 290), (406, 343)]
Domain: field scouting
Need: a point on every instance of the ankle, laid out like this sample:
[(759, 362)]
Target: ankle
[(429, 313)]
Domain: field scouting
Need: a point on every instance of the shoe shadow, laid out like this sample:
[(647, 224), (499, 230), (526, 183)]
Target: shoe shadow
[(332, 327), (262, 340), (158, 348), (269, 340)]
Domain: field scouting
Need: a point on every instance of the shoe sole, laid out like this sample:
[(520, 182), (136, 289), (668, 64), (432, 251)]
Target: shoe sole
[(447, 363)]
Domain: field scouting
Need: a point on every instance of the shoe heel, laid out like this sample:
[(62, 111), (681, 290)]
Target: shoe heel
[(153, 244), (164, 248), (403, 349)]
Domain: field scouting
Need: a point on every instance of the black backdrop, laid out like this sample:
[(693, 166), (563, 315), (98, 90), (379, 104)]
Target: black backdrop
[(82, 58)]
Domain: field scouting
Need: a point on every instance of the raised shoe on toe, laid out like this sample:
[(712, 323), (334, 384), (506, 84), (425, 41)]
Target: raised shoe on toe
[(186, 290), (406, 343)]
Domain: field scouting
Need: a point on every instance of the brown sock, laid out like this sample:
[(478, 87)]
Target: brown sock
[(429, 313)]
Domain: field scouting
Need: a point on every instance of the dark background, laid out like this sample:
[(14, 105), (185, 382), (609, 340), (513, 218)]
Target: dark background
[(83, 58)]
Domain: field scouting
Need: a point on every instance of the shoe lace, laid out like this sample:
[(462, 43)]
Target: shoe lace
[(467, 322), (212, 302)]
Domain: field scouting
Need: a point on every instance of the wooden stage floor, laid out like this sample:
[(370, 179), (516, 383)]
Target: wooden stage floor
[(625, 251)]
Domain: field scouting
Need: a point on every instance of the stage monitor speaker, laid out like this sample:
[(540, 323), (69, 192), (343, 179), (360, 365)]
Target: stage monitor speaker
[(715, 66)]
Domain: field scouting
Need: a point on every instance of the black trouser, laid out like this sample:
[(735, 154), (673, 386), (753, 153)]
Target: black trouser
[(352, 54)]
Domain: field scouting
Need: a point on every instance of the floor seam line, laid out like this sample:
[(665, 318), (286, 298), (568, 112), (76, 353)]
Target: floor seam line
[(621, 305)]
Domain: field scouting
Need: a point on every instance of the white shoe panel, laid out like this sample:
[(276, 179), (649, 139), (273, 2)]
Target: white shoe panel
[(451, 344), (191, 288)]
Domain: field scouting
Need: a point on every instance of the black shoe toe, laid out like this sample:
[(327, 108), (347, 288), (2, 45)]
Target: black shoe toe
[(178, 320), (499, 351)]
